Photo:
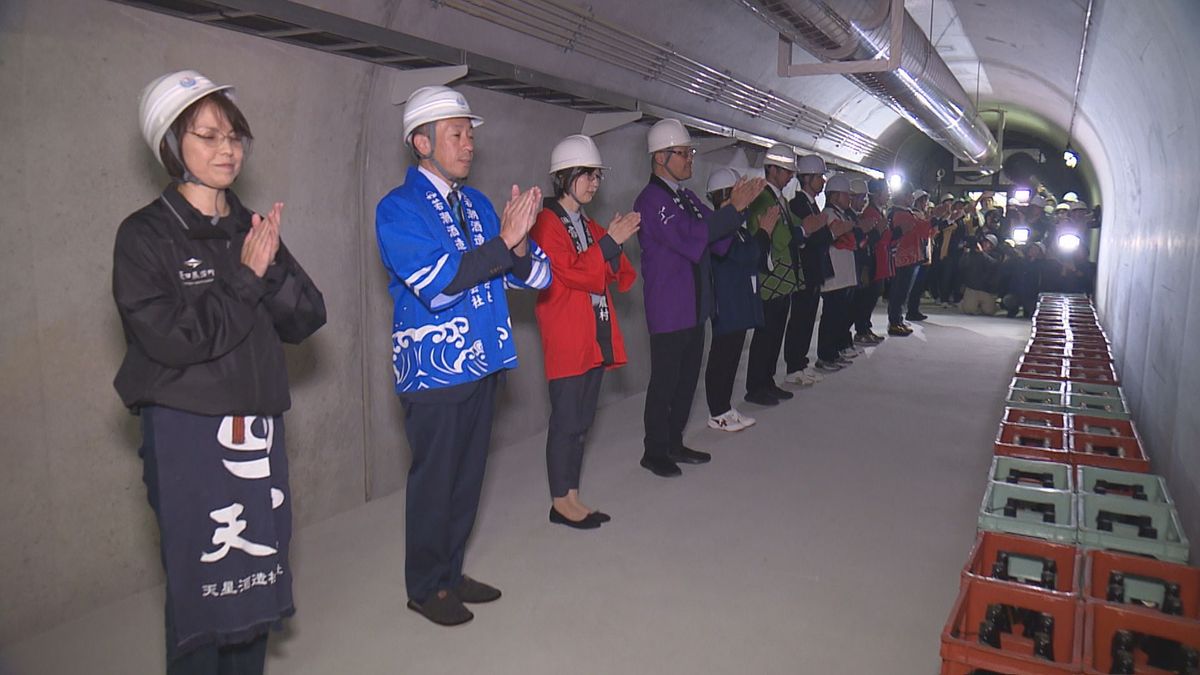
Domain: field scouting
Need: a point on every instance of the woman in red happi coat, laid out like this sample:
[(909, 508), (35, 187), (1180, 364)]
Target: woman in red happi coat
[(580, 335)]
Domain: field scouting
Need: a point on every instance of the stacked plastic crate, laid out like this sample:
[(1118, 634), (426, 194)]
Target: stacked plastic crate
[(1080, 561)]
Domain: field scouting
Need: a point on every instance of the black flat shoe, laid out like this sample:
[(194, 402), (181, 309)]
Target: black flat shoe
[(779, 393), (916, 317), (661, 466), (601, 516), (442, 608), (588, 523), (476, 592), (689, 456), (761, 397)]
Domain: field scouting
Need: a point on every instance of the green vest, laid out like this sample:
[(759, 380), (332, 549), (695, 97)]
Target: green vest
[(785, 276)]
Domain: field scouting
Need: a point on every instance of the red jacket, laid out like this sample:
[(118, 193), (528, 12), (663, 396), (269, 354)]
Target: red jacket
[(564, 309), (911, 246), (871, 218)]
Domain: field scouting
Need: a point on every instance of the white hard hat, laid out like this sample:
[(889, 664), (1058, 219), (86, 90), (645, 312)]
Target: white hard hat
[(576, 150), (722, 178), (166, 97), (782, 156), (858, 186), (1070, 197), (810, 164), (917, 194), (839, 182), (1079, 206), (947, 197), (430, 104), (668, 133), (1063, 206), (992, 238)]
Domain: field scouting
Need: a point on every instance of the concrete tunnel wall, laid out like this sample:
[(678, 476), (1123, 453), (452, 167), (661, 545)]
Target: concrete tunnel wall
[(1142, 95), (79, 531), (328, 146)]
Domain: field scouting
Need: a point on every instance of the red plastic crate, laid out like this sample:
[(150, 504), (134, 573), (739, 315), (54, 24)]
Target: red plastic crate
[(988, 544), (1104, 619), (1017, 440), (1088, 424), (1047, 350), (960, 636), (1041, 372), (1097, 450), (1043, 360), (1092, 374), (1089, 360), (1034, 418), (1099, 564)]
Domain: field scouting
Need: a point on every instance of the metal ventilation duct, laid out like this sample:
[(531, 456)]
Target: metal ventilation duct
[(922, 89)]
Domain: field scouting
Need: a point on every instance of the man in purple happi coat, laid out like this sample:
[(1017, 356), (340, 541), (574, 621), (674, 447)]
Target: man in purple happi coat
[(678, 235)]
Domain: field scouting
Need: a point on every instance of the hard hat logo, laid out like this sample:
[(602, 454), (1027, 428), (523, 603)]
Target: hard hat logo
[(187, 82)]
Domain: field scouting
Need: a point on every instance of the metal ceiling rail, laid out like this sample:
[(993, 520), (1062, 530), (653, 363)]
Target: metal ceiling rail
[(576, 29), (300, 25)]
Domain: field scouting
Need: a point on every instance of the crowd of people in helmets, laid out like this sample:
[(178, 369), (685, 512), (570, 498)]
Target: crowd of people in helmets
[(207, 293)]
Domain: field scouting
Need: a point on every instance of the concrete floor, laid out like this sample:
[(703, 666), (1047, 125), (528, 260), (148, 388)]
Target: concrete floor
[(826, 539)]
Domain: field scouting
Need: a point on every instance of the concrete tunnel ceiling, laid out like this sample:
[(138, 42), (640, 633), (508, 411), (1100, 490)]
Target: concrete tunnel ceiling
[(1019, 55)]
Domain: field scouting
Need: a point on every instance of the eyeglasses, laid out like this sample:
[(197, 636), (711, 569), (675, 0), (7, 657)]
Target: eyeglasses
[(593, 174), (213, 139), (687, 153)]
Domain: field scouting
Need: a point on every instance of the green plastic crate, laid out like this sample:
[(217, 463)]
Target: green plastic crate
[(1032, 399), (1027, 521), (1032, 384), (1089, 389), (1097, 406), (1059, 475), (1152, 486), (1168, 543)]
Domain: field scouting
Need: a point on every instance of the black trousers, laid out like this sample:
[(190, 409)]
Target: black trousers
[(920, 280), (766, 343), (950, 291), (865, 299), (248, 658), (798, 338), (573, 402), (674, 373), (898, 293), (830, 334), (724, 355), (448, 434)]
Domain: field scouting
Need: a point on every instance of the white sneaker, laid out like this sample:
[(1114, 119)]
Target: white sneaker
[(746, 420), (801, 378), (727, 421), (813, 375)]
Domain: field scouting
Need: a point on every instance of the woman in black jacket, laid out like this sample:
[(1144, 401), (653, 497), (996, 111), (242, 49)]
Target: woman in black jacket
[(207, 293)]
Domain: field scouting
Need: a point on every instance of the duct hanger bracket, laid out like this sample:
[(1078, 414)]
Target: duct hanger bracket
[(595, 124), (405, 82), (877, 65)]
